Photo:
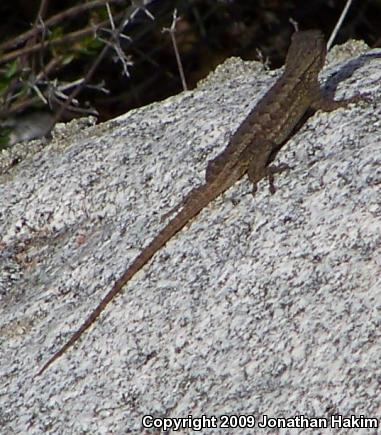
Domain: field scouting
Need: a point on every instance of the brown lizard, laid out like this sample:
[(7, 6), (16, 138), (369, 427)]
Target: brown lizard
[(265, 129)]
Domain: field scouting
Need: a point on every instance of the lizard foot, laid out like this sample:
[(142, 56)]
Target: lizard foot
[(271, 171)]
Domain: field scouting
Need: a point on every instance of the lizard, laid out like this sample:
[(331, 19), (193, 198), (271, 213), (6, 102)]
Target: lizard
[(249, 151)]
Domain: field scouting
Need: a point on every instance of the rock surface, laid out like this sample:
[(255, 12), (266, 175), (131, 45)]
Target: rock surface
[(262, 306)]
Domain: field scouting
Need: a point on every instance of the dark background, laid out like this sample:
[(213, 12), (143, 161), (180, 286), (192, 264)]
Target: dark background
[(207, 33)]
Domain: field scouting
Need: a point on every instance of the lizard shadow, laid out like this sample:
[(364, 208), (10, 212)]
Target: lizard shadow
[(330, 85)]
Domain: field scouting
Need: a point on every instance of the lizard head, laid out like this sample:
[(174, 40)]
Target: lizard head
[(307, 52)]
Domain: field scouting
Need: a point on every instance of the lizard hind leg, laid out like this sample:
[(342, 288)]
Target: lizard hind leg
[(257, 154), (271, 171), (268, 172)]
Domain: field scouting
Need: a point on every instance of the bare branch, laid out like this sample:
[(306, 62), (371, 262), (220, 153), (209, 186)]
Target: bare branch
[(172, 31), (114, 42), (90, 73), (338, 25), (70, 37), (74, 11)]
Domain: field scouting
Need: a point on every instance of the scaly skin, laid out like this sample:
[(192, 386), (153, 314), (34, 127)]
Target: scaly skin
[(264, 130)]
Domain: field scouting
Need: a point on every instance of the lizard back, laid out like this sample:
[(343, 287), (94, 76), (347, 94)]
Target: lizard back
[(276, 114)]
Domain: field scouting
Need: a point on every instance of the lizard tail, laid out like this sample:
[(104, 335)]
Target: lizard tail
[(193, 203)]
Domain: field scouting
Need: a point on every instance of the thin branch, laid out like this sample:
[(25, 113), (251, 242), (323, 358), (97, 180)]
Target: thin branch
[(140, 5), (18, 106), (78, 89), (74, 11), (89, 74), (51, 66), (41, 11), (26, 102), (70, 37), (338, 25), (114, 42), (172, 31), (38, 23)]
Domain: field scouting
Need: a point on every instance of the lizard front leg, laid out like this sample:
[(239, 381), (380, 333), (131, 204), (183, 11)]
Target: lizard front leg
[(321, 101)]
